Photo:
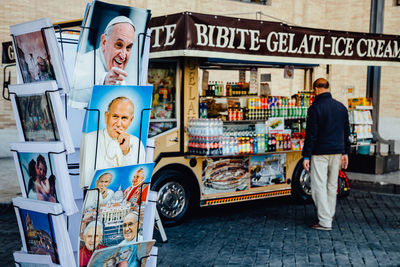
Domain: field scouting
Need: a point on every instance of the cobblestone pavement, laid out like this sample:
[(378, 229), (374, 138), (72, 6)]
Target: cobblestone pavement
[(272, 232), (276, 232)]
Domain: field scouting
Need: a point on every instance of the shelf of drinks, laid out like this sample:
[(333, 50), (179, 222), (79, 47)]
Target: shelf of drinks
[(162, 120), (190, 156), (363, 108), (260, 120), (230, 96)]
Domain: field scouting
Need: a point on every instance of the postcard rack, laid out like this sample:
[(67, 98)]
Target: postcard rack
[(145, 186), (7, 96)]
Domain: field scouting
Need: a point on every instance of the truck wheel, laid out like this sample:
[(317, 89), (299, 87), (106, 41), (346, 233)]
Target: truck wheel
[(173, 196), (301, 183)]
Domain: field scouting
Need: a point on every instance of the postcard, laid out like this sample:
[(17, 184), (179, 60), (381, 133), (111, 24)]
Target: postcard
[(113, 210), (222, 175), (43, 230), (135, 254), (23, 259), (110, 49), (43, 173), (267, 169), (37, 53), (115, 129), (39, 113)]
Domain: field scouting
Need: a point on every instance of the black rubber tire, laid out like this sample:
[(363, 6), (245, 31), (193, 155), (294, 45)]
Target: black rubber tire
[(304, 196), (175, 181), (298, 190)]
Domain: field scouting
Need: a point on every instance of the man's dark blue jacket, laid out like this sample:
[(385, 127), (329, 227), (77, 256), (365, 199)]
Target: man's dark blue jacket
[(327, 129)]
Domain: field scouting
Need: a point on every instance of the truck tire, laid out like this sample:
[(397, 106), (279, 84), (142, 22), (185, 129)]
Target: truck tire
[(174, 196), (301, 184)]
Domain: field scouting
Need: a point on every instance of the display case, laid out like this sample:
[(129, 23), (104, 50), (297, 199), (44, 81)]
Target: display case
[(235, 120), (164, 111), (361, 125)]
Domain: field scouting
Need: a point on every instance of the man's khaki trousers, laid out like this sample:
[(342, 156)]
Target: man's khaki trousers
[(324, 181)]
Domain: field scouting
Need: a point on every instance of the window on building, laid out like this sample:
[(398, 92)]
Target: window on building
[(162, 75), (261, 2)]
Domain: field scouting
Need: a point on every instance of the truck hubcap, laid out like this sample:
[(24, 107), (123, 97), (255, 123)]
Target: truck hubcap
[(171, 199), (305, 182)]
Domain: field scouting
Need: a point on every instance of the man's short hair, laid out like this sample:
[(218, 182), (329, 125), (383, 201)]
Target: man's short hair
[(92, 224), (121, 98), (320, 83), (116, 20)]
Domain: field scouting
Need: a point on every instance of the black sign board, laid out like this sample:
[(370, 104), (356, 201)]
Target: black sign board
[(8, 56), (213, 36)]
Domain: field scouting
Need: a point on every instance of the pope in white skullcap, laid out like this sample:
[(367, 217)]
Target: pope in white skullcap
[(119, 19)]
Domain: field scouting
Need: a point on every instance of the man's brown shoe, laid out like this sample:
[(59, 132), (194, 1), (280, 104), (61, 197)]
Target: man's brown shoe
[(320, 227)]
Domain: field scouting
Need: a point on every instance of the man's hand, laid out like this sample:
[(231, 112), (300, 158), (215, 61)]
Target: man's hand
[(344, 161), (306, 165), (115, 76), (123, 141)]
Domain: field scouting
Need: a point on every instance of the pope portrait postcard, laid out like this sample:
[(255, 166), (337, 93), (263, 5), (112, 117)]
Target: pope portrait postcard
[(115, 128), (110, 49), (133, 255), (113, 210), (37, 53)]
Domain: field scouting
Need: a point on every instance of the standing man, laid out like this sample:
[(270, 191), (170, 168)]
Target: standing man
[(326, 145)]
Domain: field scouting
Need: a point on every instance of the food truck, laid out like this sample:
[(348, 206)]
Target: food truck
[(220, 135)]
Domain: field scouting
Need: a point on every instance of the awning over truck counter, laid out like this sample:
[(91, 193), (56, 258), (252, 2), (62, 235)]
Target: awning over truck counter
[(199, 35)]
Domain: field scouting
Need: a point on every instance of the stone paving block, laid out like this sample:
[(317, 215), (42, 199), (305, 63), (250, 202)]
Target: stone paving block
[(288, 260), (342, 260), (315, 258), (328, 258), (275, 263)]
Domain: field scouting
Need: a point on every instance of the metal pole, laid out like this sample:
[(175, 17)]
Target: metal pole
[(374, 75)]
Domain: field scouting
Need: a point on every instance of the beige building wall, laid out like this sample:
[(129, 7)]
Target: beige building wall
[(344, 15)]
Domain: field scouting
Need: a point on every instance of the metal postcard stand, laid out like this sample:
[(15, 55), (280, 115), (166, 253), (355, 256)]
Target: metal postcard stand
[(7, 97), (53, 123)]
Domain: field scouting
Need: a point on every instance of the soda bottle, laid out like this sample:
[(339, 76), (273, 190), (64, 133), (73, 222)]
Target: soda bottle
[(273, 142)]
